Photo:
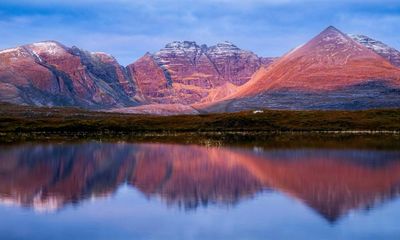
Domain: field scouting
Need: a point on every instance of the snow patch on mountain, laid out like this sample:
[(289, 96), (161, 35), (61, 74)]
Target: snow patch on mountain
[(225, 49), (194, 51), (185, 48), (15, 52), (38, 57), (102, 54), (49, 47), (380, 48), (370, 43), (10, 50)]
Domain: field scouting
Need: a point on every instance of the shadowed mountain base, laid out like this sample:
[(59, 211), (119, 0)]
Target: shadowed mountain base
[(373, 94)]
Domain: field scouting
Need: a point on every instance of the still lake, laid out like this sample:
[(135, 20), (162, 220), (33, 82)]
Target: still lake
[(119, 190)]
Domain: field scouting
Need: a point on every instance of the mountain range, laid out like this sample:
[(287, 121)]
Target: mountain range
[(331, 71)]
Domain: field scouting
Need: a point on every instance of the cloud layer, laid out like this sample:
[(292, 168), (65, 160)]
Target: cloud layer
[(127, 29)]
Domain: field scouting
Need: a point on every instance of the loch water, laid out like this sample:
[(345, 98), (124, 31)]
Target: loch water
[(122, 190)]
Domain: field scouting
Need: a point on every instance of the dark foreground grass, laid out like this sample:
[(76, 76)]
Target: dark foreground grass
[(27, 119), (23, 122)]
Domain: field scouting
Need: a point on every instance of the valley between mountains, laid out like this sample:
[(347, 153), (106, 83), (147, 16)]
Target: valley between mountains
[(333, 71)]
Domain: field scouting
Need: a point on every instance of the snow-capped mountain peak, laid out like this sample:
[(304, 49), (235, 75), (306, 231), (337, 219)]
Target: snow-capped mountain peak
[(378, 47), (180, 48), (48, 47), (182, 44), (10, 50), (227, 44), (16, 52), (224, 48)]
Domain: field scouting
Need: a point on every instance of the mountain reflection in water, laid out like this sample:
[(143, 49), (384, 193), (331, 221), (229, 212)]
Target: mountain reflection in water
[(332, 182)]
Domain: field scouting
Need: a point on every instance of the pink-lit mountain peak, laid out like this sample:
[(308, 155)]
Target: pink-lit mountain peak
[(332, 35), (331, 59), (330, 64), (333, 46)]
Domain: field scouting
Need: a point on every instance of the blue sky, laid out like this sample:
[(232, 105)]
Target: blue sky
[(127, 29)]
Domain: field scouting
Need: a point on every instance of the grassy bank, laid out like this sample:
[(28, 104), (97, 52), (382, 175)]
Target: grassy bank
[(32, 119), (243, 139), (274, 128)]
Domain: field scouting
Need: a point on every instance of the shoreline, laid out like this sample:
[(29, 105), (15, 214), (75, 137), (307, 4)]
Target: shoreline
[(277, 139)]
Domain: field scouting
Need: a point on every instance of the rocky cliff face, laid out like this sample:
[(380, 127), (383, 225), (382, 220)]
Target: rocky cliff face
[(187, 73), (50, 74), (331, 71)]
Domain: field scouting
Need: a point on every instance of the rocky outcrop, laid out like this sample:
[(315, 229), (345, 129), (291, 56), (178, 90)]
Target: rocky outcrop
[(50, 74)]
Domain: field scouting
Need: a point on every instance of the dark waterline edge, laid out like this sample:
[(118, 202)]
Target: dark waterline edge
[(357, 139)]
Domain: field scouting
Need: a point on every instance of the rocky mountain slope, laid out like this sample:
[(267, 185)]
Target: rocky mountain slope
[(187, 73), (380, 48), (332, 71), (50, 74)]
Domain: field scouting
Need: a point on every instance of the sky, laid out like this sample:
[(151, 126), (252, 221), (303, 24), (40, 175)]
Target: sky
[(127, 29)]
